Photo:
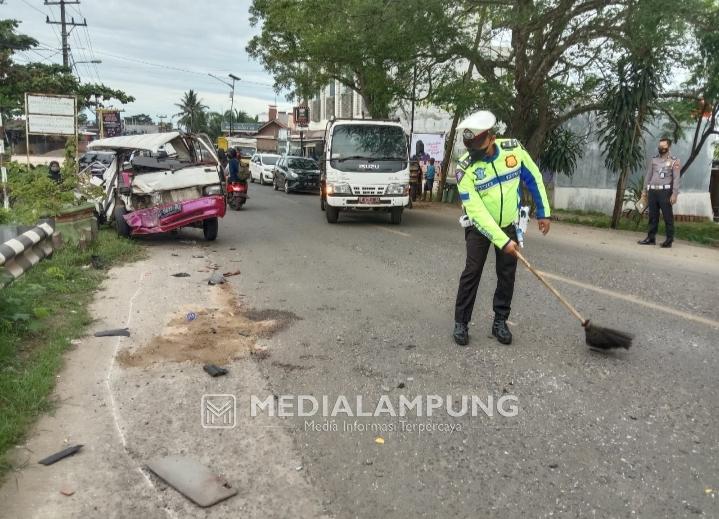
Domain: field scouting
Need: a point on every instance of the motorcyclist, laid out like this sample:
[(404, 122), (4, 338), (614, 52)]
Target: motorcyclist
[(234, 166)]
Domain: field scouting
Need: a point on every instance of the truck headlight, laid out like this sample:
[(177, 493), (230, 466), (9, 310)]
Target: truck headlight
[(213, 190), (339, 189), (397, 189)]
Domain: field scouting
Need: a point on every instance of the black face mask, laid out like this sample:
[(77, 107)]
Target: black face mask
[(662, 151)]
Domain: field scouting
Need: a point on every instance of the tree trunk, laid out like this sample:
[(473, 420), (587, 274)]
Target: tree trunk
[(619, 197), (449, 143)]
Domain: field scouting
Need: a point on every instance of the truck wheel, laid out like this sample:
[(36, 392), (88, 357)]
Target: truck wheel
[(121, 226), (396, 215), (332, 214), (210, 228)]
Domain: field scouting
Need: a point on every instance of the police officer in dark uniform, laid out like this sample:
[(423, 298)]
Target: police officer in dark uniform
[(662, 184), (488, 180)]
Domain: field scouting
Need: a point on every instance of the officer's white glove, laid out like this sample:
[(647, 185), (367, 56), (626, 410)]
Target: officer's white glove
[(464, 221)]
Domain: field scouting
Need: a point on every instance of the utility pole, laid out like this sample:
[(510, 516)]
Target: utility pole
[(63, 21), (232, 94)]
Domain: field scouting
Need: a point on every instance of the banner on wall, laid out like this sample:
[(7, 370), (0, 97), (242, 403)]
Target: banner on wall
[(428, 146)]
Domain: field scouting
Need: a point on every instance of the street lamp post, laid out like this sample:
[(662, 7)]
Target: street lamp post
[(232, 94), (75, 63)]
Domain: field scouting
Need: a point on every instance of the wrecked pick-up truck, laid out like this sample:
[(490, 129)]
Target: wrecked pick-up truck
[(161, 182)]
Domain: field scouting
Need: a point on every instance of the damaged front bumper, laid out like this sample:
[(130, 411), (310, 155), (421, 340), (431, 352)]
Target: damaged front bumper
[(169, 217)]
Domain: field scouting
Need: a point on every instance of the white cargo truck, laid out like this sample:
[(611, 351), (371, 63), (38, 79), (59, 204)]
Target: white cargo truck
[(364, 167)]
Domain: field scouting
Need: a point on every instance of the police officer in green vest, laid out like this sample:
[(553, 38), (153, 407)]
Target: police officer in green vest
[(488, 180)]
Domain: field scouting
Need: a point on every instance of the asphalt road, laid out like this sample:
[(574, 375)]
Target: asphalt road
[(626, 434), (629, 434)]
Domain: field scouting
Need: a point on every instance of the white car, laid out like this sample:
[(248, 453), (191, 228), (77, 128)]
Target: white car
[(262, 166)]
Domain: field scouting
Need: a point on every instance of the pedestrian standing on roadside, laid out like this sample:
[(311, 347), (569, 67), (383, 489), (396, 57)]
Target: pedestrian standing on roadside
[(429, 179), (54, 171), (415, 179), (661, 189)]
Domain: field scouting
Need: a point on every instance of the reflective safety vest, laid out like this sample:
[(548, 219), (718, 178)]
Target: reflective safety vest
[(490, 188)]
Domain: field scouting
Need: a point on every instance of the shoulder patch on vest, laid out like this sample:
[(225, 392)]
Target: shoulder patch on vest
[(509, 144), (464, 163), (510, 161), (459, 174)]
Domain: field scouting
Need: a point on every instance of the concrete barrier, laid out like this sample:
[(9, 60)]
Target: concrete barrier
[(20, 254)]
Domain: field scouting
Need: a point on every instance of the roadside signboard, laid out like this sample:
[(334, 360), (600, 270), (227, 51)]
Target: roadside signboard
[(47, 114), (302, 115)]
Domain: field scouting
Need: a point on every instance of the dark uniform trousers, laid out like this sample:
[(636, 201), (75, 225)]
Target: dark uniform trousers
[(477, 249), (659, 199)]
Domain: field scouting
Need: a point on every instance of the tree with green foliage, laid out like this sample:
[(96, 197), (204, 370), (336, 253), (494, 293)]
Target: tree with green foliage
[(239, 116), (142, 119), (192, 114), (370, 46), (697, 102), (214, 125)]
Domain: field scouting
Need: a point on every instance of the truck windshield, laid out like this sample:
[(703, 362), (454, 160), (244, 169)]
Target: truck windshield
[(360, 141)]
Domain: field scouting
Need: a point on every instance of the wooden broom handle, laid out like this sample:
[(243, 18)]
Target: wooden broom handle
[(552, 289)]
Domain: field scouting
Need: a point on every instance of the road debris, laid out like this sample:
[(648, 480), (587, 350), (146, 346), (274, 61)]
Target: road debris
[(230, 274), (219, 334), (191, 316), (191, 479), (401, 385), (117, 332), (54, 458), (67, 491), (379, 440), (181, 275), (214, 371), (216, 279)]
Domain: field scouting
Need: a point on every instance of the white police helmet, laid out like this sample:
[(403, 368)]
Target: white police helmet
[(476, 124)]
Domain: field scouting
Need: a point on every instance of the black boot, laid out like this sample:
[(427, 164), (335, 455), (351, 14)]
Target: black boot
[(500, 331), (667, 243), (647, 241), (461, 334)]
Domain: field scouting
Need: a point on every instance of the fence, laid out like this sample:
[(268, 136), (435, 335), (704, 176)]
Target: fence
[(20, 254)]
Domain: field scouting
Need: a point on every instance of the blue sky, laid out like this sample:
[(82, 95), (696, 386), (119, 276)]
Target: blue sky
[(188, 38)]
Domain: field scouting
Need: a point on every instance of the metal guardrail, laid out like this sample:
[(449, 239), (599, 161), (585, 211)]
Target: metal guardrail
[(20, 254)]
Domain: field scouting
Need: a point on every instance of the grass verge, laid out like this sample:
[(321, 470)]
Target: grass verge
[(40, 314), (706, 233)]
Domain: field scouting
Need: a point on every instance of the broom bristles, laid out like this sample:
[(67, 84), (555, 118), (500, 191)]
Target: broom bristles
[(606, 338)]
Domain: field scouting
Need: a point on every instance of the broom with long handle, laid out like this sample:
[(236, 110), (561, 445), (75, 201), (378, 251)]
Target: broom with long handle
[(596, 336)]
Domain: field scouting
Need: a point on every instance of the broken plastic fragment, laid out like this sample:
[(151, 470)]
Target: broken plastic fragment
[(117, 332), (379, 440), (53, 458)]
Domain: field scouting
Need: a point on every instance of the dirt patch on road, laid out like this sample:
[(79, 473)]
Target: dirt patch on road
[(212, 335)]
